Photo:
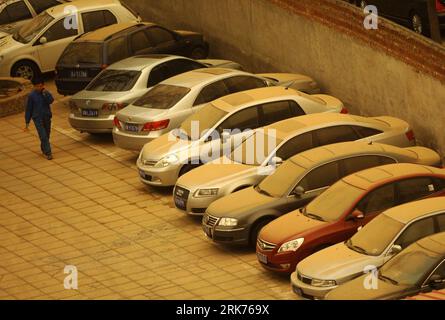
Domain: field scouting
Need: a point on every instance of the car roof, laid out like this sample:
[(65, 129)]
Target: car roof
[(244, 99), (110, 31), (196, 77), (410, 211), (142, 62), (434, 243), (59, 10)]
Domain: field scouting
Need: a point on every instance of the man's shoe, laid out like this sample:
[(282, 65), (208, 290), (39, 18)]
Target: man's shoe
[(49, 156)]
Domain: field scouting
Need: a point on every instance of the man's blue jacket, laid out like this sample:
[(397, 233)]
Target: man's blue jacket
[(38, 105)]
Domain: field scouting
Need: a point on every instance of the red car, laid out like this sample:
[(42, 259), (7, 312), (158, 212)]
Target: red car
[(336, 214)]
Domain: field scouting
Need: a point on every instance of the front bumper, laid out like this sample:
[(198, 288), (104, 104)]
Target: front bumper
[(281, 263), (235, 236), (158, 177), (307, 290), (128, 141), (93, 125)]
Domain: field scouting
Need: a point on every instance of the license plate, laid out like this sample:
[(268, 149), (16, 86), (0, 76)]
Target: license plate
[(132, 127), (180, 203), (297, 290), (90, 113), (262, 257), (79, 74)]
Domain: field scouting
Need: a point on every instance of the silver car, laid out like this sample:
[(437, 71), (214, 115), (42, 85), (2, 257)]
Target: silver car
[(166, 105), (223, 124), (93, 109)]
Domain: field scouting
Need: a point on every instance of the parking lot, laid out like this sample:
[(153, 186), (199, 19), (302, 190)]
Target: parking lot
[(88, 209)]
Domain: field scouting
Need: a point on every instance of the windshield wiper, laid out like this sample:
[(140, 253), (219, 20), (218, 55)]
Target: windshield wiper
[(382, 277), (263, 191), (313, 216), (356, 248)]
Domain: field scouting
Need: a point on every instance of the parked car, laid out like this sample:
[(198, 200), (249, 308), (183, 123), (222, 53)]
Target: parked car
[(223, 124), (238, 218), (257, 156), (90, 53), (420, 268), (410, 13), (38, 44), (286, 241), (169, 103), (93, 109), (15, 13)]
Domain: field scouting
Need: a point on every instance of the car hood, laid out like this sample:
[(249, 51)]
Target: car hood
[(8, 44), (215, 174), (140, 114), (288, 227), (240, 203), (336, 262), (164, 145), (355, 290)]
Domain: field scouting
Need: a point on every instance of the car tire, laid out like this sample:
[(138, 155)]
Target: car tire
[(416, 23), (198, 53), (25, 69), (255, 230)]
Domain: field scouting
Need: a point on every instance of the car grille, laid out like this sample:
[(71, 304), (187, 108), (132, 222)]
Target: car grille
[(149, 163), (304, 279), (210, 220), (266, 246)]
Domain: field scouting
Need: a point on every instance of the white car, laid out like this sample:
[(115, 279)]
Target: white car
[(38, 44)]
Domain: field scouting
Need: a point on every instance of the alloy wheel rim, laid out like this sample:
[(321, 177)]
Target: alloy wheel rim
[(25, 72)]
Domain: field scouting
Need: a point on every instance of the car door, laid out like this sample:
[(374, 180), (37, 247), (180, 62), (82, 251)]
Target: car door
[(57, 38), (15, 12), (162, 40)]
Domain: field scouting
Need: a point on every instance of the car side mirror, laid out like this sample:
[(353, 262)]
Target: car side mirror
[(43, 40), (395, 249), (357, 215), (276, 161), (299, 191)]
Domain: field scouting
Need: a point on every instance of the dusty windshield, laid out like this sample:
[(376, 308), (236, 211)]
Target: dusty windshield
[(278, 184), (32, 28), (114, 81), (376, 236), (255, 149), (334, 202)]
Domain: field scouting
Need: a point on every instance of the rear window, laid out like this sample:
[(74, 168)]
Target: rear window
[(162, 97), (82, 53), (114, 80)]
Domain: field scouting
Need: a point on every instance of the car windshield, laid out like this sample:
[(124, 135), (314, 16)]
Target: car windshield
[(32, 28), (82, 53), (255, 149), (376, 236), (410, 266), (199, 123), (114, 80), (162, 96), (278, 184), (334, 202)]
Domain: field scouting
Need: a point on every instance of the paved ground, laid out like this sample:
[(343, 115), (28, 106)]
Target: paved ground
[(87, 208)]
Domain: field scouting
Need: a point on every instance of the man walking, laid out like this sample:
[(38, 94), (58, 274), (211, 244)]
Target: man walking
[(38, 109)]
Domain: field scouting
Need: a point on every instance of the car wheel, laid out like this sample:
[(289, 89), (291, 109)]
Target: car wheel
[(199, 53), (416, 23), (255, 231), (25, 69)]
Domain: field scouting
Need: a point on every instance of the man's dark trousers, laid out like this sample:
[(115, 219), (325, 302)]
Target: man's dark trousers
[(43, 126)]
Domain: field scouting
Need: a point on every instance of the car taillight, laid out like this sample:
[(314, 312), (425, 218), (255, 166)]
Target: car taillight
[(156, 125), (344, 110), (113, 106), (410, 135), (117, 123)]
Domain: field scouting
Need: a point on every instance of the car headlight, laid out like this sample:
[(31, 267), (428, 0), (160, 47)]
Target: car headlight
[(292, 245), (323, 283), (228, 222), (166, 161), (206, 192)]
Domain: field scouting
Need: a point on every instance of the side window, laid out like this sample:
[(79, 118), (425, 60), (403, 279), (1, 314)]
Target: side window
[(158, 74), (275, 111), (242, 120), (42, 5), (213, 91), (441, 222), (439, 183), (378, 200), (355, 164), (336, 134), (416, 231), (295, 145), (158, 35), (296, 109), (58, 31), (117, 50), (4, 18), (321, 177), (243, 83), (413, 189), (365, 132), (97, 19), (139, 41), (18, 11), (179, 66)]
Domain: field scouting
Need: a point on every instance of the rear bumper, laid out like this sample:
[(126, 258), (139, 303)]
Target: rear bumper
[(93, 125)]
